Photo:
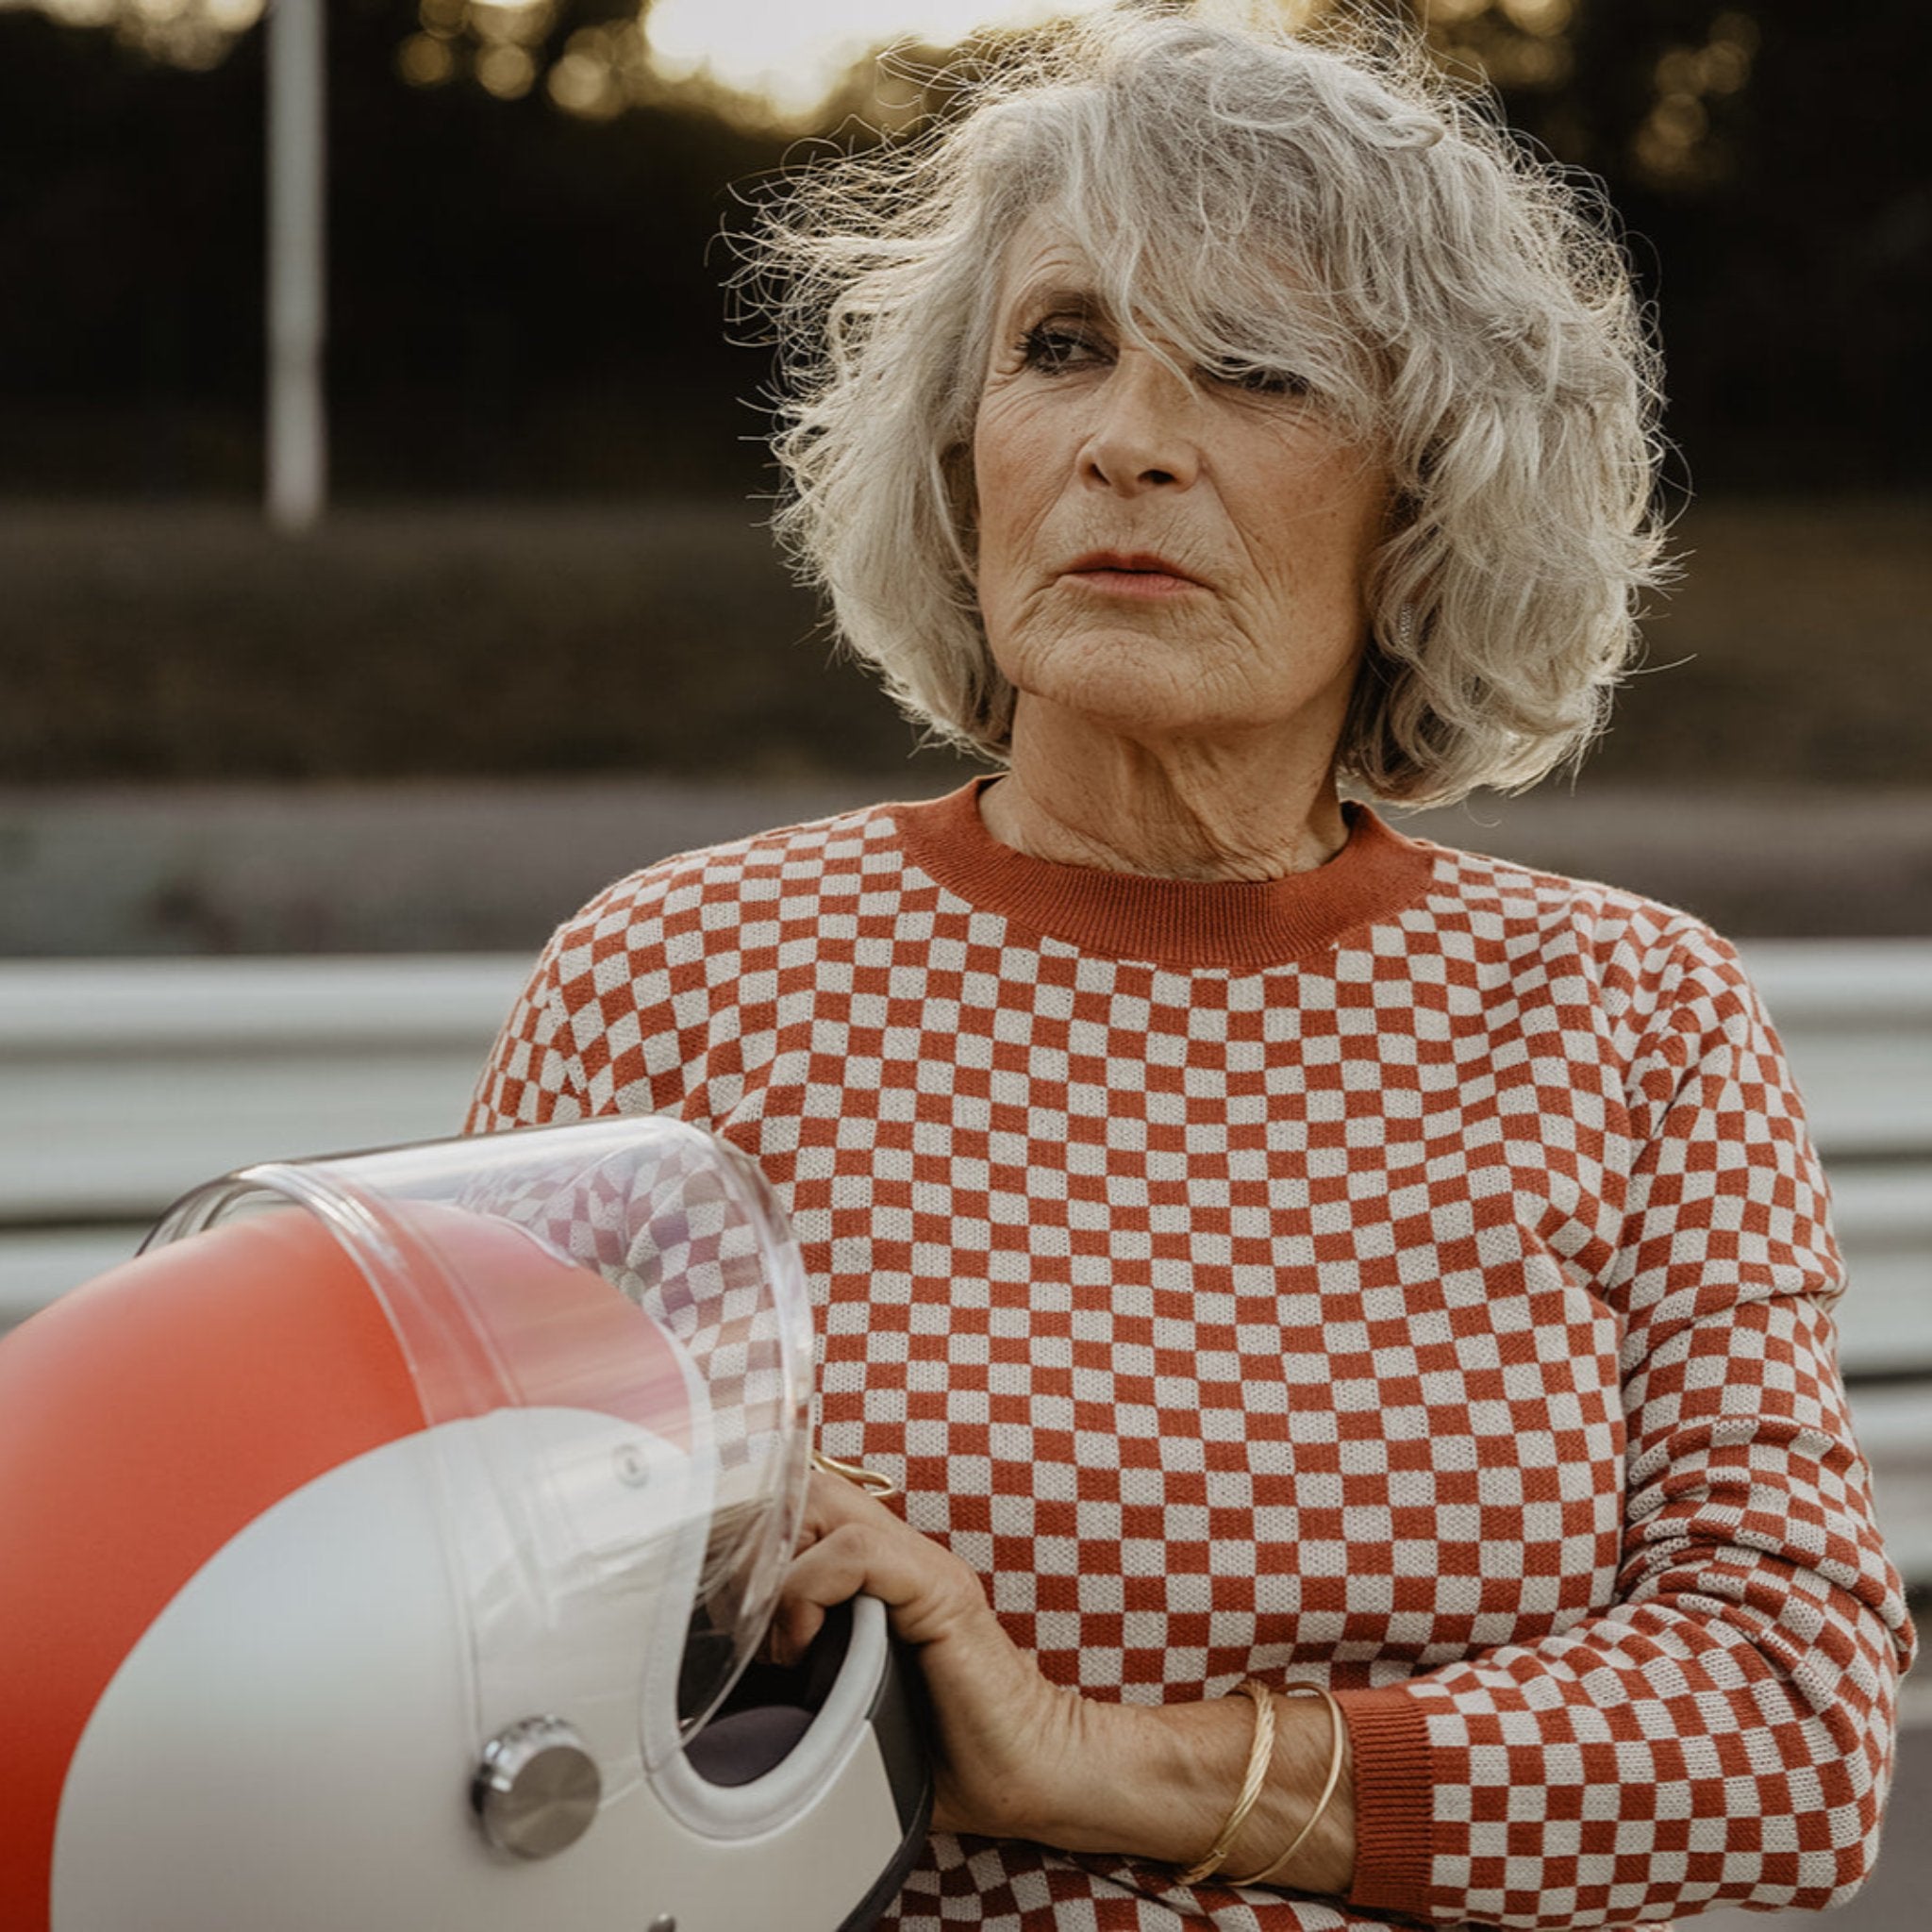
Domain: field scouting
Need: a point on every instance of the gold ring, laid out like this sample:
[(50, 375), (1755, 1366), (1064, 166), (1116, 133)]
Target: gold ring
[(873, 1482)]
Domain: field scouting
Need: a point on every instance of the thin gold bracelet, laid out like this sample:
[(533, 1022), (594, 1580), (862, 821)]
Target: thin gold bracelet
[(1339, 1736), (1259, 1753)]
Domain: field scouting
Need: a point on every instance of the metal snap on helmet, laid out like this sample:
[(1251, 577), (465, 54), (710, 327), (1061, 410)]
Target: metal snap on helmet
[(389, 1545)]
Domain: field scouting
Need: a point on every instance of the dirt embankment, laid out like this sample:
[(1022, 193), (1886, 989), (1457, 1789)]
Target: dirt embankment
[(663, 638)]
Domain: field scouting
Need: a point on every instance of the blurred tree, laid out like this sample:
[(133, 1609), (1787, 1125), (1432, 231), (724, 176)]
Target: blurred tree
[(1766, 162), (528, 289), (521, 211), (130, 224)]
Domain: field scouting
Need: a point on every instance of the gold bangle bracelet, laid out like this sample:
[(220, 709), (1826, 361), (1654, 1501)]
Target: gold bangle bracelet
[(1260, 1752), (1337, 1739)]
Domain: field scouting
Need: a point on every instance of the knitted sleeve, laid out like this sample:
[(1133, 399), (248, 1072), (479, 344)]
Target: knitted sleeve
[(1724, 1731), (533, 1074)]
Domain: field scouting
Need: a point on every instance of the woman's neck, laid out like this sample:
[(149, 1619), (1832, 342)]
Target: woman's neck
[(1243, 806)]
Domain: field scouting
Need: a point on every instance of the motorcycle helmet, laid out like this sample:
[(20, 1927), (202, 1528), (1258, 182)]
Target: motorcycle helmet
[(389, 1546)]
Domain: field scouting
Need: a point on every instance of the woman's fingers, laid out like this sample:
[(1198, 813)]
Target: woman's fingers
[(1003, 1737), (830, 1500), (832, 1569), (850, 1543)]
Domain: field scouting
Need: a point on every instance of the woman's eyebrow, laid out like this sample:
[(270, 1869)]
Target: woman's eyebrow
[(1048, 298)]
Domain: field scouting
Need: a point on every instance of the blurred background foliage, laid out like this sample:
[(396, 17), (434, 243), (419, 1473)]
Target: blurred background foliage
[(524, 209), (525, 198)]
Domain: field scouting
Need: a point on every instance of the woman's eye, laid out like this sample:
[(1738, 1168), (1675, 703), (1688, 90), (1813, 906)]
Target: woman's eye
[(1260, 380), (1055, 346)]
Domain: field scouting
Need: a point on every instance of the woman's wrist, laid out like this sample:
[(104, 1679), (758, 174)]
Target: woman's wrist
[(1158, 1781), (1151, 1781), (1305, 1839)]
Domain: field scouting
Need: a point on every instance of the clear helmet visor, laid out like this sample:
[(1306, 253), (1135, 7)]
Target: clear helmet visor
[(606, 1328)]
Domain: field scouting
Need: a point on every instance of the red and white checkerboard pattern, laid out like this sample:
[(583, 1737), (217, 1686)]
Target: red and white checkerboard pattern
[(675, 1233), (1436, 1308)]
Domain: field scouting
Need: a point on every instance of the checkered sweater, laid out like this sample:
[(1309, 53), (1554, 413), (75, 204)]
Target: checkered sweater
[(1411, 1274)]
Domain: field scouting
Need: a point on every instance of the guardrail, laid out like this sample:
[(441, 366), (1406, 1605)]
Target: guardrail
[(125, 1083)]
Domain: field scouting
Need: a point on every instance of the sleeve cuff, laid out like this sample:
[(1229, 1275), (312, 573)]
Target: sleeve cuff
[(1395, 1800)]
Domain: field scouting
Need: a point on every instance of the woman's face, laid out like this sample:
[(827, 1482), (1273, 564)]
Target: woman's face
[(1164, 557)]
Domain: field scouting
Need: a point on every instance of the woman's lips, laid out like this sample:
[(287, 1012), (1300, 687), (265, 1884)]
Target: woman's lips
[(1117, 573)]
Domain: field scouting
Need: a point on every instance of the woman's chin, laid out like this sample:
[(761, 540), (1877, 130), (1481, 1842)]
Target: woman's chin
[(1149, 680), (1159, 706)]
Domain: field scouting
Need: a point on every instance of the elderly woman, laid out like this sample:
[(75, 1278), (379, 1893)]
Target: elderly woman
[(1349, 1319)]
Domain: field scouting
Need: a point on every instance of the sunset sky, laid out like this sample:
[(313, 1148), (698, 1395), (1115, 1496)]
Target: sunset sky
[(790, 55)]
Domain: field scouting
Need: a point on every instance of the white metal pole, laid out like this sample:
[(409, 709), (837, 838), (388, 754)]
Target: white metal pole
[(297, 274)]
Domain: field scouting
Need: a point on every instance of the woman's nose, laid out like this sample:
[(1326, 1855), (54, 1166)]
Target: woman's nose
[(1143, 435)]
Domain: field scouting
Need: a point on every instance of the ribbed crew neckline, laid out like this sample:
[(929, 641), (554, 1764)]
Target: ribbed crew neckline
[(1181, 923)]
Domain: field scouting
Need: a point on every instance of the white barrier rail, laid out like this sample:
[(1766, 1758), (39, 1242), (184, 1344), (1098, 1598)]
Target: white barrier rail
[(124, 1083)]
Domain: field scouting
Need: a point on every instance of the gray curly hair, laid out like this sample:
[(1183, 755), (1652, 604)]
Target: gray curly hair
[(1247, 198)]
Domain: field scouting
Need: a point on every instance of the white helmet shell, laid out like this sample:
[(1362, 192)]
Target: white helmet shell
[(387, 1545)]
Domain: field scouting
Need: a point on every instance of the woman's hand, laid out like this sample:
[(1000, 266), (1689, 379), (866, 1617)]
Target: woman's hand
[(1010, 1745), (1018, 1756)]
